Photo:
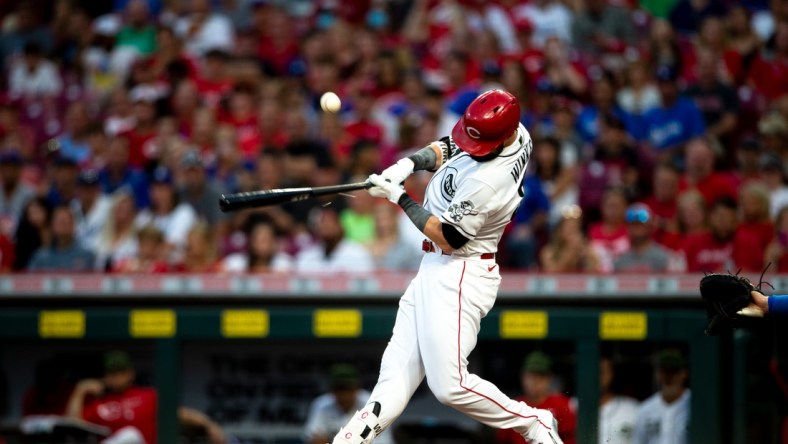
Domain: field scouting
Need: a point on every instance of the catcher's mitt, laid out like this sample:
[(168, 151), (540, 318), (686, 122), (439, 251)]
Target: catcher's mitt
[(725, 294)]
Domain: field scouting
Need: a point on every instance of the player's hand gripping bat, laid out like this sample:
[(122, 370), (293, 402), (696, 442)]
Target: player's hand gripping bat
[(264, 198)]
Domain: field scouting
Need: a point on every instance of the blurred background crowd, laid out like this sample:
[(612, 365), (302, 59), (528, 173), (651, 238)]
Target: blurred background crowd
[(659, 128)]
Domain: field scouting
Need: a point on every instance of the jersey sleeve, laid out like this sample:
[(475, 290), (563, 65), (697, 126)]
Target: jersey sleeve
[(469, 208)]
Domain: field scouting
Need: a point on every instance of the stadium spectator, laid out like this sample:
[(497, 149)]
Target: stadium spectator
[(608, 237), (616, 412), (389, 249), (171, 217), (675, 122), (722, 247), (743, 42), (615, 164), (203, 29), (557, 182), (200, 251), (263, 253), (63, 253), (73, 142), (777, 250), (330, 411), (25, 30), (602, 28), (117, 239), (529, 226), (32, 232), (33, 76), (754, 214), (128, 410), (91, 209), (536, 378), (773, 129), (568, 250), (643, 255), (201, 192), (748, 162), (591, 118), (701, 156), (144, 98), (331, 252), (638, 95), (118, 173), (664, 417), (769, 70), (663, 202), (549, 18), (573, 150), (717, 101), (65, 173), (564, 75), (137, 33), (692, 218), (773, 175), (687, 15), (358, 219), (150, 254), (663, 46), (14, 193), (214, 82)]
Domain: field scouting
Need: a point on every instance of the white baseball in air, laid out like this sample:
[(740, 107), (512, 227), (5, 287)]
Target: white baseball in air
[(330, 102)]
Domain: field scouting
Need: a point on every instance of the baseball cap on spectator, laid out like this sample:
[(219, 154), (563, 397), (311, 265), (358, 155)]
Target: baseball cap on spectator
[(671, 360), (88, 178), (344, 377), (666, 73), (192, 159), (522, 24), (144, 93), (11, 157), (538, 362), (117, 361), (161, 175), (637, 213), (107, 25), (772, 124)]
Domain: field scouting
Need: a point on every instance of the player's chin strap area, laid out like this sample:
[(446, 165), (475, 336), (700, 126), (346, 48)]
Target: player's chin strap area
[(362, 428)]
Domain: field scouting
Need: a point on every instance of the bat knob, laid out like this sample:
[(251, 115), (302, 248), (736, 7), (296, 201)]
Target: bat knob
[(224, 204)]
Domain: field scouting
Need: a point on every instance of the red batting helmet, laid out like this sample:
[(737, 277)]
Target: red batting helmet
[(489, 120)]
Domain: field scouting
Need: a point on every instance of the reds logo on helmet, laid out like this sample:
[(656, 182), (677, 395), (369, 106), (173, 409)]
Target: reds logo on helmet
[(487, 122)]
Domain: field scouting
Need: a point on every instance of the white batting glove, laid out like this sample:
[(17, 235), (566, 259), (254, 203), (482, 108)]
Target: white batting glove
[(398, 172), (385, 188)]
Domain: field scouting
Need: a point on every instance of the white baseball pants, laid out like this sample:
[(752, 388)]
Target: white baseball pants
[(435, 331)]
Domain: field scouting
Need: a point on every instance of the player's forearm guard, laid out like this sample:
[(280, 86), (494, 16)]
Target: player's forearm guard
[(417, 214)]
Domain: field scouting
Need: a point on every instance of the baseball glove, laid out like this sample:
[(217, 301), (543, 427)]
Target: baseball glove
[(724, 295)]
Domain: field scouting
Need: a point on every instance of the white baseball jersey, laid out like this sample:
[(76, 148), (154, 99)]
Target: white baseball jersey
[(661, 423), (479, 198), (617, 420)]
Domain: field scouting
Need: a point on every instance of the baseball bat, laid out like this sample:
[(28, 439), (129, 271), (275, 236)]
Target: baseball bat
[(264, 198)]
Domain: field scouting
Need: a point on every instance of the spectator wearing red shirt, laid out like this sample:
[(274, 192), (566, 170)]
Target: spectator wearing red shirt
[(362, 127), (243, 117), (609, 236), (748, 162), (769, 71), (150, 254), (213, 83), (777, 250), (200, 254), (536, 379), (754, 213), (6, 254), (722, 248), (663, 203), (128, 411), (144, 98), (700, 174)]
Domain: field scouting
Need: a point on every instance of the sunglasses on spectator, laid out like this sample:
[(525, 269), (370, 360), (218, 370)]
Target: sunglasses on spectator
[(639, 215)]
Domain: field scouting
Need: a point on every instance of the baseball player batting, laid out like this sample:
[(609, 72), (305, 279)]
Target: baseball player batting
[(476, 188)]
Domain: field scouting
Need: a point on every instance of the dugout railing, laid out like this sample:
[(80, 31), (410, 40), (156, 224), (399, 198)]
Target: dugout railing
[(172, 311)]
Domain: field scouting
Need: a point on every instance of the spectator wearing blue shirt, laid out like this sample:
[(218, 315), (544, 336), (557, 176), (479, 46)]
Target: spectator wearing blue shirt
[(675, 122), (118, 173), (64, 253), (73, 142), (529, 222), (604, 103), (65, 172)]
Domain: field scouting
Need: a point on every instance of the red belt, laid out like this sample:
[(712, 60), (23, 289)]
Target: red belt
[(429, 247)]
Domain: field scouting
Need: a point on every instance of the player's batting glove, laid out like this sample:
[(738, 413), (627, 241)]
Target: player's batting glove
[(385, 188), (398, 172)]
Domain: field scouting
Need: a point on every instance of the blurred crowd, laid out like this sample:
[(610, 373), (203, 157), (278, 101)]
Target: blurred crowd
[(660, 130)]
